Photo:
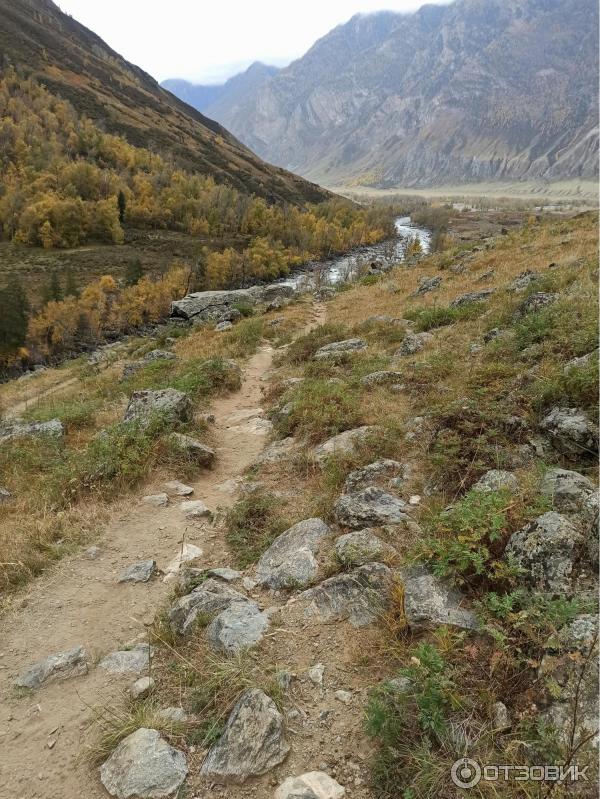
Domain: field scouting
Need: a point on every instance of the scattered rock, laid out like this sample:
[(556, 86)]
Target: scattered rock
[(179, 489), (545, 550), (167, 402), (579, 363), (362, 546), (343, 444), (571, 432), (427, 284), (413, 343), (569, 491), (5, 495), (224, 573), (221, 327), (370, 507), (315, 674), (428, 600), (208, 599), (240, 626), (19, 428), (144, 765), (471, 296), (496, 480), (195, 509), (196, 452), (70, 663), (485, 276), (134, 660), (383, 378), (156, 500), (380, 473), (312, 785), (357, 596), (141, 688), (277, 451), (206, 305), (93, 552), (344, 696), (500, 717), (523, 281), (290, 560), (139, 572), (175, 714), (536, 301), (187, 553), (252, 743), (338, 347)]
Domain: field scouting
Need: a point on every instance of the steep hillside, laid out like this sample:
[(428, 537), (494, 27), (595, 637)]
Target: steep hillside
[(78, 66), (214, 101), (476, 90)]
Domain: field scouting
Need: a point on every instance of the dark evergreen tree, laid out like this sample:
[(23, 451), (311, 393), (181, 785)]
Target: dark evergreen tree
[(14, 314), (71, 289), (134, 272), (122, 206), (52, 291)]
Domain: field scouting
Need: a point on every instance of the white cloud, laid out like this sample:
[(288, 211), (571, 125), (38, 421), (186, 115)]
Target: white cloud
[(208, 41)]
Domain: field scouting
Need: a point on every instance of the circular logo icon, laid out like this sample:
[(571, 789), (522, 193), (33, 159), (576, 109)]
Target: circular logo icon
[(465, 773)]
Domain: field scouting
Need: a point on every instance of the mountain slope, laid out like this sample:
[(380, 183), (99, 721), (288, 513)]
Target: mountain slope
[(78, 66), (476, 90), (214, 101)]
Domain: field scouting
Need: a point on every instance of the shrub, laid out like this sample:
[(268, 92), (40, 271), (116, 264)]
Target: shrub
[(320, 409), (252, 525), (437, 316), (304, 347)]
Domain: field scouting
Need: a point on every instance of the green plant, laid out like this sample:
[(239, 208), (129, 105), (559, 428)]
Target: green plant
[(252, 525), (436, 316), (319, 409), (304, 347)]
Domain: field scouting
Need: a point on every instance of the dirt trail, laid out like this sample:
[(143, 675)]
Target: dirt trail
[(20, 407), (80, 602)]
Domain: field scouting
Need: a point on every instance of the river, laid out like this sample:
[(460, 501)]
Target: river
[(347, 267)]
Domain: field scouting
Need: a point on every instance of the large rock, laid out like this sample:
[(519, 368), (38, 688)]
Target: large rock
[(343, 444), (523, 281), (144, 765), (70, 663), (413, 343), (537, 301), (139, 572), (427, 284), (429, 601), (135, 660), (253, 741), (370, 507), (197, 452), (382, 473), (240, 626), (545, 551), (166, 402), (362, 546), (278, 451), (339, 347), (357, 596), (383, 378), (571, 432), (211, 597), (470, 297), (568, 490), (19, 428), (313, 785), (496, 480), (211, 304), (290, 560)]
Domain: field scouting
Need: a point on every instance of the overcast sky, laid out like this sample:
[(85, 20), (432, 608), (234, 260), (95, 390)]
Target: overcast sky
[(209, 40)]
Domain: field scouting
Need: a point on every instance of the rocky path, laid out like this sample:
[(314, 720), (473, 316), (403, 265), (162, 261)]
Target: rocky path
[(80, 602)]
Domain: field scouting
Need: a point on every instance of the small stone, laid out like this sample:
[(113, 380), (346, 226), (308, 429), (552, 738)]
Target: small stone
[(379, 473), (430, 601), (382, 378), (195, 509), (156, 500), (471, 296), (141, 688), (223, 326), (186, 554), (290, 560), (360, 547), (315, 674), (344, 696), (139, 572), (536, 301), (312, 785), (249, 584), (93, 552), (240, 626), (207, 600), (343, 444), (70, 663), (133, 660), (174, 714), (413, 343), (179, 489), (500, 717), (5, 495), (197, 452), (414, 499), (371, 506), (497, 480), (224, 573), (338, 347)]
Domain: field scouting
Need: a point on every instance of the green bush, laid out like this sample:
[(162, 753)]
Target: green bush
[(252, 525), (438, 316), (319, 410), (304, 347)]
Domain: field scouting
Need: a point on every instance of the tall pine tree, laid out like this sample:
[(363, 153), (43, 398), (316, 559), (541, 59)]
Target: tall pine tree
[(14, 314)]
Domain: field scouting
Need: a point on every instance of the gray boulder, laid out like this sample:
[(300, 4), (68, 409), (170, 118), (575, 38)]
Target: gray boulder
[(536, 301), (5, 495), (135, 660), (357, 596), (156, 500), (571, 432), (19, 428), (196, 451), (222, 327), (253, 741), (579, 635), (139, 572), (370, 507), (224, 573), (313, 785), (382, 473), (277, 451), (496, 480), (362, 546), (383, 378), (569, 491), (523, 281), (211, 597), (545, 550), (430, 601), (166, 402), (144, 765), (70, 663), (290, 560), (339, 347), (210, 304), (413, 343), (427, 284), (343, 444), (471, 296), (241, 626)]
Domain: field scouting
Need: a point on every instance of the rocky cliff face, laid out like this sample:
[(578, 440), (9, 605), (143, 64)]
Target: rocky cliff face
[(476, 90)]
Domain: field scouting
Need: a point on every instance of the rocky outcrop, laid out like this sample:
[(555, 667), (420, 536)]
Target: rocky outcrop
[(342, 444), (208, 305), (253, 741), (70, 663), (361, 547), (370, 507), (135, 660), (313, 785), (571, 432), (194, 450), (428, 601), (290, 560), (340, 347), (19, 428), (144, 765), (240, 626), (165, 403)]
